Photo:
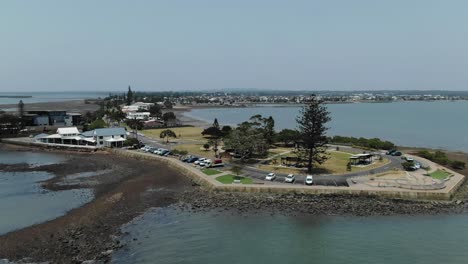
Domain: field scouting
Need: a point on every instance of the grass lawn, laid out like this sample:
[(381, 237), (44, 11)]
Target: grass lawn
[(183, 133), (439, 174), (196, 149), (211, 171), (336, 164), (228, 179)]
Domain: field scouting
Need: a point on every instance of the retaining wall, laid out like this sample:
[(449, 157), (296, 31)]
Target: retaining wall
[(210, 183)]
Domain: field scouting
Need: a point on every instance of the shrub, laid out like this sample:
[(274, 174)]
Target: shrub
[(408, 166), (456, 164), (130, 142)]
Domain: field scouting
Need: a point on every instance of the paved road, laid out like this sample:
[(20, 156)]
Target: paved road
[(327, 180)]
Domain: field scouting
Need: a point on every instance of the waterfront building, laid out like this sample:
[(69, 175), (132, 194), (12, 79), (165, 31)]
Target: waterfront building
[(102, 137)]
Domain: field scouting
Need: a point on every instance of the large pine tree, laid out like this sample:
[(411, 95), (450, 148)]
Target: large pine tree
[(311, 124), (129, 96)]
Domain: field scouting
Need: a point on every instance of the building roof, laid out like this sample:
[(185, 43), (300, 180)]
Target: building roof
[(68, 130), (105, 132)]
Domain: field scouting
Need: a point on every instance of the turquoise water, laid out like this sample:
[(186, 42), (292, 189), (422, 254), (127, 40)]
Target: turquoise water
[(440, 124), (169, 235), (23, 202), (40, 97)]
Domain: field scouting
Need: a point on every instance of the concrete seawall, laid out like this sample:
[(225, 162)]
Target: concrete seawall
[(210, 183)]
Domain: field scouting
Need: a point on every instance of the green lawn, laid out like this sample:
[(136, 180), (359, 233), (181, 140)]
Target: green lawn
[(439, 174), (228, 179), (211, 171)]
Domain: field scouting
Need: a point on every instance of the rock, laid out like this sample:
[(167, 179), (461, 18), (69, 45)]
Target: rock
[(107, 252)]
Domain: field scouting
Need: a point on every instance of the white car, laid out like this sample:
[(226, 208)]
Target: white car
[(409, 159), (290, 178), (205, 163), (200, 160), (309, 180), (270, 177)]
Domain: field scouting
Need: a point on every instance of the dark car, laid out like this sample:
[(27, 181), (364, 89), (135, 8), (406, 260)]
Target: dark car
[(192, 160), (164, 152), (397, 153), (390, 152)]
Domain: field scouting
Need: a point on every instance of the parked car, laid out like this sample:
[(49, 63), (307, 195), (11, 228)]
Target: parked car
[(167, 154), (290, 178), (390, 152), (409, 159), (186, 158), (192, 160), (216, 163), (396, 153), (270, 176), (309, 180), (163, 152), (199, 160), (145, 148), (158, 151)]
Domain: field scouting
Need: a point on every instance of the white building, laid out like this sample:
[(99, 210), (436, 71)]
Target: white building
[(138, 115), (138, 106), (102, 137), (66, 136), (107, 137)]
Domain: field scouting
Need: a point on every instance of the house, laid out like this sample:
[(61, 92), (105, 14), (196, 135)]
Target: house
[(138, 115), (107, 137), (153, 123), (138, 106), (102, 137), (66, 136)]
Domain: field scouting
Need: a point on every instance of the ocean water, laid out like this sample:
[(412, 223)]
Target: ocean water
[(41, 97), (23, 202), (168, 235), (440, 124)]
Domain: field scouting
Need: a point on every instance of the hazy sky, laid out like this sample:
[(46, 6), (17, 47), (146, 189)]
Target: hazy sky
[(265, 44)]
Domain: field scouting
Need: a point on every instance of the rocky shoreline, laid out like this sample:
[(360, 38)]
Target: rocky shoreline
[(297, 204)]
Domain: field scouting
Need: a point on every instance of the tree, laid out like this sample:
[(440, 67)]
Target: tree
[(21, 109), (216, 124), (155, 110), (226, 130), (168, 104), (167, 134), (98, 123), (10, 124), (129, 96), (236, 170), (247, 140), (206, 146), (117, 115), (288, 136), (312, 129), (168, 116)]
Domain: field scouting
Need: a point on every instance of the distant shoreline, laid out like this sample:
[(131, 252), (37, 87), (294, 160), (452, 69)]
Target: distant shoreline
[(16, 96)]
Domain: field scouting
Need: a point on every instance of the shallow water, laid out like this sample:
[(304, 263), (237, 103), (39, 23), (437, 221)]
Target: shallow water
[(23, 202), (440, 124), (31, 158), (169, 235)]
